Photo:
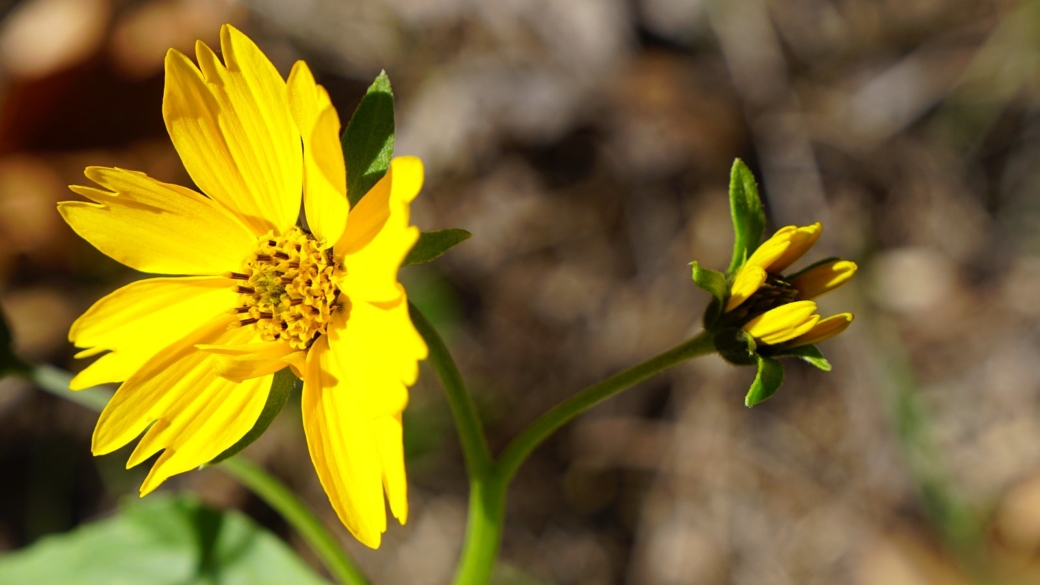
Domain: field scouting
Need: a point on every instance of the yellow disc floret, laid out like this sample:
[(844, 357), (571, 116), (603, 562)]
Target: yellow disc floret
[(287, 290)]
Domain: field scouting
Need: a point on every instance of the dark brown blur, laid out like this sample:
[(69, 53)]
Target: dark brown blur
[(587, 144)]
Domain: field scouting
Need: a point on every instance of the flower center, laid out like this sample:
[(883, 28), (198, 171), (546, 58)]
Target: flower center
[(287, 293), (774, 292)]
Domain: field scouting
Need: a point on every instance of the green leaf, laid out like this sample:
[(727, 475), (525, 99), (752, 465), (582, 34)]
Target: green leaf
[(161, 541), (281, 388), (749, 219), (368, 141), (809, 353), (767, 382), (712, 281), (432, 245)]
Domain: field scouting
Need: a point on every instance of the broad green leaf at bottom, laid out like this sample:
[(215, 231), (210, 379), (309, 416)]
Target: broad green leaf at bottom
[(161, 541)]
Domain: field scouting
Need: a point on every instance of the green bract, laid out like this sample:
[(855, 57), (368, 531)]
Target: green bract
[(749, 218), (368, 141), (368, 145)]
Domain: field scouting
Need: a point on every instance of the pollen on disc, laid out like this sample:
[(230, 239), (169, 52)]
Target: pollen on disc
[(286, 289)]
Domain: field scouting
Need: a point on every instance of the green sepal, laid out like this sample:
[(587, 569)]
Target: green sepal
[(368, 141), (808, 353), (712, 281), (749, 218), (736, 346), (790, 277), (281, 388), (712, 313), (432, 245), (768, 380)]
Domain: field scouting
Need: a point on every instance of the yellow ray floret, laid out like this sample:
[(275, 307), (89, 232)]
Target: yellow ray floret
[(783, 323), (823, 278), (801, 239), (823, 330), (746, 283)]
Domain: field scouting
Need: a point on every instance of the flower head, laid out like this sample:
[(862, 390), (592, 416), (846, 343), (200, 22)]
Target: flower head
[(255, 290), (758, 313)]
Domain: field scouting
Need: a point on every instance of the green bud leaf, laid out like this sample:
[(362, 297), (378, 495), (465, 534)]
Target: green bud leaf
[(281, 387), (368, 141), (432, 245), (809, 353), (749, 218), (767, 382), (712, 281)]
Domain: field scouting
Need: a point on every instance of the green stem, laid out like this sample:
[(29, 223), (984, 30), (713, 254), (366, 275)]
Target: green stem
[(279, 497), (471, 431), (264, 485), (484, 525), (534, 435), (489, 480)]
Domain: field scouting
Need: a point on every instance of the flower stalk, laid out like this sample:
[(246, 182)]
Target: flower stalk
[(490, 478)]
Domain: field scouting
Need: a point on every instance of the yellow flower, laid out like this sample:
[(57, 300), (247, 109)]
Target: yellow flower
[(777, 310), (197, 353)]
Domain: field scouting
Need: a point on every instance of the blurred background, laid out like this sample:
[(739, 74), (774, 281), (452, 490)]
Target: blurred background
[(587, 144)]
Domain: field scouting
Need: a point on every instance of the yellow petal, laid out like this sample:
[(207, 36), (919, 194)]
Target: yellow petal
[(342, 445), (141, 318), (233, 130), (157, 227), (823, 278), (196, 413), (378, 236), (241, 362), (391, 453), (745, 283), (324, 173), (824, 330), (111, 367), (380, 348), (772, 249), (783, 323), (802, 239), (138, 402)]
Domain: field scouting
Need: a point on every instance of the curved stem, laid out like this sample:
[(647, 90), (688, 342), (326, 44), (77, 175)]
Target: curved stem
[(484, 526), (534, 435), (471, 430), (489, 480), (264, 485), (279, 497)]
